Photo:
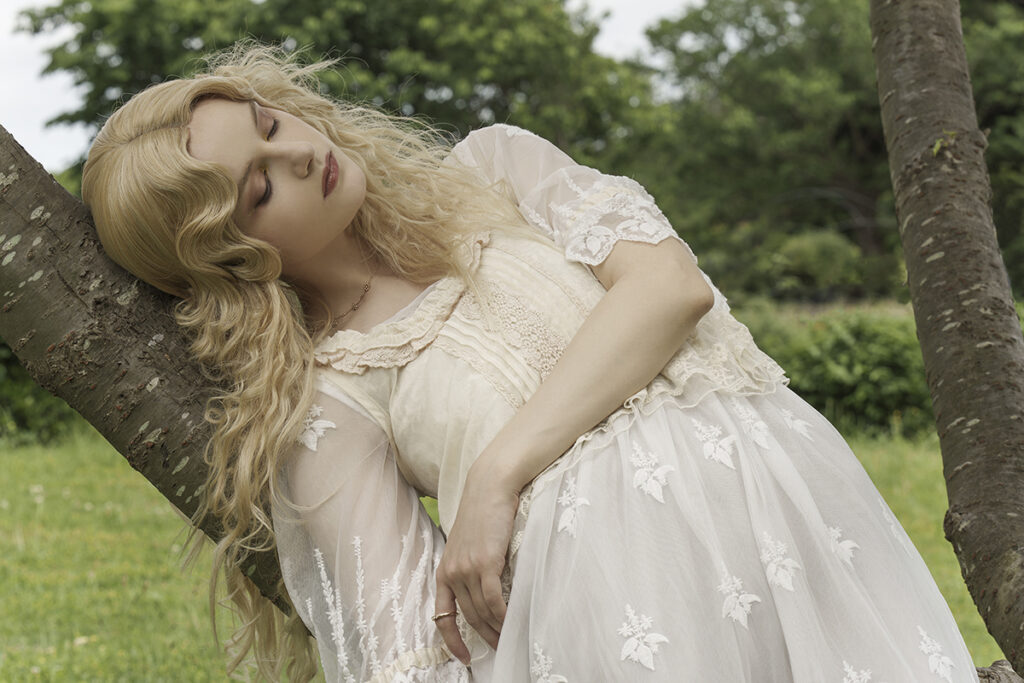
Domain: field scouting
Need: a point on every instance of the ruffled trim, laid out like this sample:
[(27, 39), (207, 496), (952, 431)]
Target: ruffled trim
[(428, 665), (395, 343)]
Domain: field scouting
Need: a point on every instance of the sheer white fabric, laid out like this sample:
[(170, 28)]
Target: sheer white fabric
[(583, 210), (358, 553), (715, 527)]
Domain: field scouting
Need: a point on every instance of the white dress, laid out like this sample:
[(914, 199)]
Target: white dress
[(714, 528)]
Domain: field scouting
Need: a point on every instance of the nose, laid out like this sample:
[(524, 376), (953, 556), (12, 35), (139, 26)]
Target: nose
[(299, 157)]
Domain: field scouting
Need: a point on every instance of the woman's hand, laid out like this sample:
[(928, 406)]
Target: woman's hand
[(474, 557)]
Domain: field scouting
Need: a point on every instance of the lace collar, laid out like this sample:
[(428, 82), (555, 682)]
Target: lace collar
[(394, 343)]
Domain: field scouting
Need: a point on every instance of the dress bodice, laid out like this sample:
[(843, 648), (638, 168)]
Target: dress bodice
[(441, 381)]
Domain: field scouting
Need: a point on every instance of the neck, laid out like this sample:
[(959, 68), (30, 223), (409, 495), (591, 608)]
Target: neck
[(337, 274)]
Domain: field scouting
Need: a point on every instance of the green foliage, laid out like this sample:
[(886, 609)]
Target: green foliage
[(756, 126), (994, 35), (28, 412), (460, 63), (776, 133), (862, 368)]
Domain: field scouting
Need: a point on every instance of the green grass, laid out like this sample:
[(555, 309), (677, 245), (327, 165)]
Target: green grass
[(90, 588)]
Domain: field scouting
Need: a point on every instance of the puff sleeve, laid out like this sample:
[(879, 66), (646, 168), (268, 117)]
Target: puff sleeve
[(583, 210), (358, 552)]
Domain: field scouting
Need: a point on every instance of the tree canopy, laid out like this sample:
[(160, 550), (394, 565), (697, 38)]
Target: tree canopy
[(754, 125)]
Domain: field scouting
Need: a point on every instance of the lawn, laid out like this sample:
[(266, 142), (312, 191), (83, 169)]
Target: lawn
[(91, 589)]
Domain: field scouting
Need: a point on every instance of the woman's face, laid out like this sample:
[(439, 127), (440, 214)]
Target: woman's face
[(296, 189)]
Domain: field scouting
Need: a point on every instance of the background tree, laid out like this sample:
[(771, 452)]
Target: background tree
[(459, 63), (966, 321)]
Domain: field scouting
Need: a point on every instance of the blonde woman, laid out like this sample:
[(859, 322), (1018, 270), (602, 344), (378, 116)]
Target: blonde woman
[(627, 489)]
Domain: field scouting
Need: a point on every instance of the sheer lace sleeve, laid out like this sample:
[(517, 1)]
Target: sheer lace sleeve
[(584, 211), (358, 552)]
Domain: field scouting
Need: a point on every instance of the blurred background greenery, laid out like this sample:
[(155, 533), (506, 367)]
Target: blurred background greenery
[(754, 123)]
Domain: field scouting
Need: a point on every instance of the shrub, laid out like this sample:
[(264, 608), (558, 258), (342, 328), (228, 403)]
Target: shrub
[(860, 367)]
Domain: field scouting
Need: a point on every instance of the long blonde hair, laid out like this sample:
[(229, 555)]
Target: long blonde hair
[(167, 218)]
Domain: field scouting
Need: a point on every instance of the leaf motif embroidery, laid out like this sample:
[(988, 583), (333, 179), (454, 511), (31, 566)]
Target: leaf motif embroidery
[(715, 447), (313, 429), (572, 502), (640, 645), (854, 676), (737, 604), (796, 424), (777, 567), (650, 474), (755, 428), (939, 664), (842, 549), (540, 668)]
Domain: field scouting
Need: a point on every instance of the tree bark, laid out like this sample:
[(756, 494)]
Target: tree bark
[(966, 322), (106, 343)]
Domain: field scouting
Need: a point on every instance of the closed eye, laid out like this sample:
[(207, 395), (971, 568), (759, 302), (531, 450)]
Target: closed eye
[(266, 192), (266, 177)]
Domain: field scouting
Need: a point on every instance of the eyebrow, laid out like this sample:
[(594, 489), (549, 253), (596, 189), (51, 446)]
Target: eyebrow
[(248, 167)]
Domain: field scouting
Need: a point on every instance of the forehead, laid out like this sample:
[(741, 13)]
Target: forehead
[(217, 130)]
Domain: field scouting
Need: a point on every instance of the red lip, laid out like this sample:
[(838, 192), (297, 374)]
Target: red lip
[(330, 173)]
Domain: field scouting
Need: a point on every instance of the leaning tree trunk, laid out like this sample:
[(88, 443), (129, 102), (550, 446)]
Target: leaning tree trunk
[(107, 344), (966, 322)]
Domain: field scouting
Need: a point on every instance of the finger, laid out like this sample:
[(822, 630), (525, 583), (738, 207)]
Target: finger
[(494, 598), (483, 601), (469, 611), (445, 602)]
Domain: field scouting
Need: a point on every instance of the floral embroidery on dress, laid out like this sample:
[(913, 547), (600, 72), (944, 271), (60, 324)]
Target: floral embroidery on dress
[(752, 425), (715, 447), (572, 502), (650, 474), (938, 663), (854, 676), (533, 217), (777, 567), (313, 429), (737, 604), (589, 237), (540, 668), (334, 615), (796, 424), (842, 549), (640, 645)]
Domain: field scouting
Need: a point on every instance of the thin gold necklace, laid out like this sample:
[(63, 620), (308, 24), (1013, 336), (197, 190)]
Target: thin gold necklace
[(359, 302)]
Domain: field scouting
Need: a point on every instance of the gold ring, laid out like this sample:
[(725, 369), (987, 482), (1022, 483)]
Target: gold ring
[(442, 615)]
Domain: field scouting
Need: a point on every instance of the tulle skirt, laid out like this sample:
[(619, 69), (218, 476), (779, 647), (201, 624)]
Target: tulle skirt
[(735, 540)]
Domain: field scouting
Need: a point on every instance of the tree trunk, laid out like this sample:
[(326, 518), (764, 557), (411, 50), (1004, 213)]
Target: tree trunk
[(966, 322), (106, 343)]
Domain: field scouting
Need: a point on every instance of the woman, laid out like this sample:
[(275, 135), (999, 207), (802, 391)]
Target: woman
[(627, 490)]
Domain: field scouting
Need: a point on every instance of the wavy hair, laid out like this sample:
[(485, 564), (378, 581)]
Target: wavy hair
[(166, 217)]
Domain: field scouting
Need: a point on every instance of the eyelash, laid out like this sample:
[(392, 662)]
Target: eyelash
[(268, 191)]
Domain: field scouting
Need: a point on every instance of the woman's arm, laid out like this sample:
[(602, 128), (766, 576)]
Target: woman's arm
[(656, 295), (358, 555)]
